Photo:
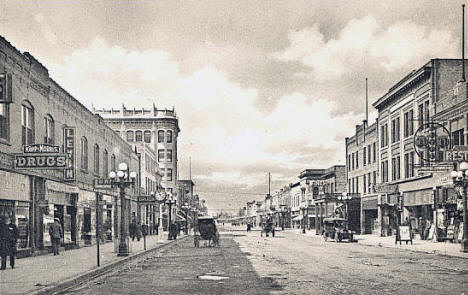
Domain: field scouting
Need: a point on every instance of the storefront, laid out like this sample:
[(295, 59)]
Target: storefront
[(370, 218), (86, 217), (418, 211), (15, 203), (389, 208), (449, 215), (61, 199)]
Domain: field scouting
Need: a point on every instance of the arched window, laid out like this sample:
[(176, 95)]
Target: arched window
[(147, 136), (130, 135), (138, 136), (49, 124), (96, 159), (105, 164), (113, 162), (161, 136), (84, 153), (27, 123), (169, 136)]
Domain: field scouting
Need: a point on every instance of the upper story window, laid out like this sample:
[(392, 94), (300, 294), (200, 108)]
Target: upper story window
[(160, 155), (84, 153), (423, 113), (4, 121), (169, 136), (408, 124), (396, 130), (384, 135), (458, 138), (161, 136), (374, 152), (147, 136), (364, 157), (352, 163), (139, 136), (96, 159), (130, 136), (357, 159), (349, 162), (169, 174), (27, 123), (49, 129), (169, 155), (369, 154), (105, 163), (113, 162)]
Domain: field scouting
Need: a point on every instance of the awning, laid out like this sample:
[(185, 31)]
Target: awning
[(297, 218)]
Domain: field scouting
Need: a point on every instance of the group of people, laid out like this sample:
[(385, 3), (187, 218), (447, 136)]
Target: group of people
[(136, 230), (8, 240)]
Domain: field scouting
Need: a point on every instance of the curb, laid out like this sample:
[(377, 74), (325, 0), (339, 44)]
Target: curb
[(94, 273)]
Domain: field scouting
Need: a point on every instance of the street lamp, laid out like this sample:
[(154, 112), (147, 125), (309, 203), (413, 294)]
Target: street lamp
[(170, 201), (283, 212), (122, 180), (460, 179), (303, 207), (186, 208)]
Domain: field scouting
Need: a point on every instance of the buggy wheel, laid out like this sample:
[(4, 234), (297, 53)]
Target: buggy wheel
[(340, 238)]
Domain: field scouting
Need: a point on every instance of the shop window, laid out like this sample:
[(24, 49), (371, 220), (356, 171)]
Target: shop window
[(130, 136), (147, 136), (84, 153), (27, 123), (169, 156), (49, 129), (160, 155), (169, 136), (4, 121), (161, 136), (96, 159), (138, 136)]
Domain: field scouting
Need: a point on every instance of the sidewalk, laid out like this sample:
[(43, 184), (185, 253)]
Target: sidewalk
[(439, 248), (34, 273)]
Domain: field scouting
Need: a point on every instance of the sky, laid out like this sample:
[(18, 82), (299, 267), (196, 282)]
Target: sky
[(258, 86)]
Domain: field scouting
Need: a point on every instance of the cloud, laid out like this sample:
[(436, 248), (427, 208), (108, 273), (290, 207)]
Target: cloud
[(364, 43), (219, 120)]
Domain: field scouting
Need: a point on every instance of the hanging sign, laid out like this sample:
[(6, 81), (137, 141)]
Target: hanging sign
[(103, 183), (69, 149), (41, 161), (41, 148)]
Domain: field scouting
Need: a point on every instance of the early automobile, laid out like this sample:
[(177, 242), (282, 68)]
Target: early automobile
[(337, 229), (268, 227), (206, 230)]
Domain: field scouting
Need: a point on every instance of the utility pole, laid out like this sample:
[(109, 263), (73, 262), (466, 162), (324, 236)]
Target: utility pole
[(463, 43)]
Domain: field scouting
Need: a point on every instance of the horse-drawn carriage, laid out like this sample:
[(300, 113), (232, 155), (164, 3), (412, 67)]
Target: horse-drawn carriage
[(268, 226), (206, 230)]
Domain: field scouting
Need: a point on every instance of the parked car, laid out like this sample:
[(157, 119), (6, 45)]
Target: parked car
[(337, 229)]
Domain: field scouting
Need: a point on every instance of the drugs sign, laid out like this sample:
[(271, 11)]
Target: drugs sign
[(41, 161), (430, 140)]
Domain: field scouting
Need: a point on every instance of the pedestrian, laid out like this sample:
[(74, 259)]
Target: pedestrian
[(55, 232), (132, 229), (138, 231), (12, 240), (4, 244)]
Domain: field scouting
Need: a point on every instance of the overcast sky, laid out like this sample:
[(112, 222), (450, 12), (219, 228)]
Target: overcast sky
[(258, 85)]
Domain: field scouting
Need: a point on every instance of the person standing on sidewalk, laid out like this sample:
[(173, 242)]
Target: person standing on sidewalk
[(138, 230), (55, 232), (8, 239), (3, 241)]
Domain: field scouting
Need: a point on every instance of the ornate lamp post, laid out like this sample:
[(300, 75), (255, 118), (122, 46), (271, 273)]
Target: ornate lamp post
[(186, 208), (303, 207), (460, 179), (122, 180), (170, 201)]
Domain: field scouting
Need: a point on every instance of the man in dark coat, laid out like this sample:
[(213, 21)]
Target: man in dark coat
[(55, 232), (138, 231), (9, 237), (132, 229)]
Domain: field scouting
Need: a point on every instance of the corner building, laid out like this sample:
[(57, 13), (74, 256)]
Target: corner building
[(36, 110)]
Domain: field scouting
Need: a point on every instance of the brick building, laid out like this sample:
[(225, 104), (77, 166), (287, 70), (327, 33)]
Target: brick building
[(36, 110), (362, 167)]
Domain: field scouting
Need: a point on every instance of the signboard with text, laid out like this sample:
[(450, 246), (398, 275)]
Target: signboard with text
[(404, 234), (149, 199), (69, 143), (41, 161), (41, 148), (103, 183)]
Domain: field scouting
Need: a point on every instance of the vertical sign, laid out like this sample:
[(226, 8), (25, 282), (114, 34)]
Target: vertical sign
[(69, 148)]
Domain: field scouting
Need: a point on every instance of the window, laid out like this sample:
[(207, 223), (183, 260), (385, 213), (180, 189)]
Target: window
[(408, 124), (458, 137), (369, 154), (169, 136), (160, 155), (357, 159), (357, 184), (169, 155), (384, 168), (409, 164), (105, 164), (384, 135), (169, 174), (426, 111), (349, 162), (349, 186), (84, 153), (395, 130), (364, 183), (113, 162), (96, 159), (4, 121), (161, 136), (139, 136), (147, 136), (374, 177), (353, 162), (420, 115), (374, 152), (396, 168), (369, 182), (130, 135), (27, 123), (49, 129), (364, 158)]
